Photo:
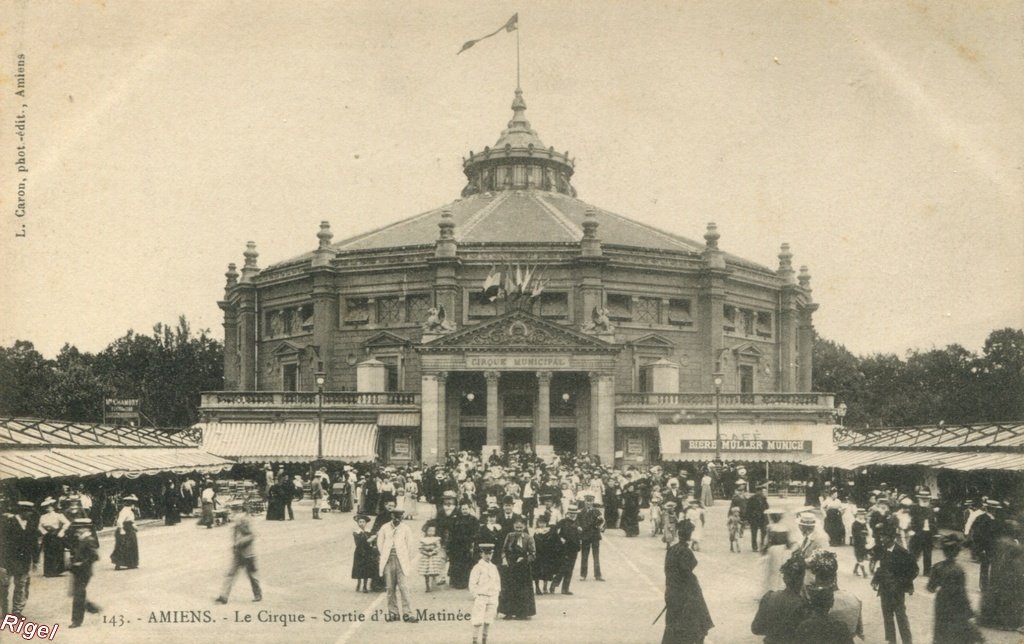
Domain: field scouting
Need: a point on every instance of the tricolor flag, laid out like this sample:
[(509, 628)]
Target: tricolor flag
[(492, 285), (511, 25)]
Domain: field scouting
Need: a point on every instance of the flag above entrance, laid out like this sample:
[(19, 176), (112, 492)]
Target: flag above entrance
[(793, 443)]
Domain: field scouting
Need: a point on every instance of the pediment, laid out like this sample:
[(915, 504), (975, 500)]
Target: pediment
[(518, 330), (748, 350), (287, 348), (385, 339), (653, 341)]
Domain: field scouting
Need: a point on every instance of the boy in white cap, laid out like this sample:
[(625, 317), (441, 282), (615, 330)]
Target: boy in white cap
[(485, 585)]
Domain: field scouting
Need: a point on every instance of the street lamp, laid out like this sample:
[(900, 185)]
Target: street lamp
[(841, 413), (321, 378), (718, 430)]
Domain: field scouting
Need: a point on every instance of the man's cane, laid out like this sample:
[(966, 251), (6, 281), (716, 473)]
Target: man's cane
[(659, 615)]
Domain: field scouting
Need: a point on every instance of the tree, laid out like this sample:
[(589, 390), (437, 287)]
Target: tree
[(1001, 375), (25, 380)]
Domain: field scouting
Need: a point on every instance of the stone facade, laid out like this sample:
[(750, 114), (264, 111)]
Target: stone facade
[(593, 329)]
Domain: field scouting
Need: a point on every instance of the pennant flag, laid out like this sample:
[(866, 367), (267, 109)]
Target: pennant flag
[(538, 288), (519, 280), (492, 285), (511, 25)]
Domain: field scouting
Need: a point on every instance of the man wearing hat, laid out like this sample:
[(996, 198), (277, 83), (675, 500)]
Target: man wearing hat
[(570, 536), (19, 546), (591, 525), (893, 579), (811, 540), (757, 518), (922, 522), (243, 557), (396, 547), (983, 535), (84, 545)]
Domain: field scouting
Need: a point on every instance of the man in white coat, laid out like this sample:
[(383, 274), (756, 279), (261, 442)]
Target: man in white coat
[(396, 546)]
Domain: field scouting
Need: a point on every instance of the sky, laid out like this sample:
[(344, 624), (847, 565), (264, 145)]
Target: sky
[(883, 140)]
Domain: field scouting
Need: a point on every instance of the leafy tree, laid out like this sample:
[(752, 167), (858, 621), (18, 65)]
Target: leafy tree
[(25, 379)]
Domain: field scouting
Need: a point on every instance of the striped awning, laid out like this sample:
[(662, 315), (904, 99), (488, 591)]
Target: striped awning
[(294, 442), (851, 459), (738, 457), (55, 462), (393, 419)]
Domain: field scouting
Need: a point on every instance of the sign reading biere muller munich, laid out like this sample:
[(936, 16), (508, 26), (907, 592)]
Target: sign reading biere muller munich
[(744, 445)]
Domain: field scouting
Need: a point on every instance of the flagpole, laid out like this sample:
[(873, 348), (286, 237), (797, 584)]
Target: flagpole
[(517, 55)]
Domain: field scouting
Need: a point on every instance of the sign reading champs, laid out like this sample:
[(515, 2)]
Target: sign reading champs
[(745, 445), (519, 361)]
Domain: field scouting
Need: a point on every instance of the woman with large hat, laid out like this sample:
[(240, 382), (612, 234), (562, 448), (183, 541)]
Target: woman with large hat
[(516, 600), (126, 543), (687, 620), (365, 559), (53, 526)]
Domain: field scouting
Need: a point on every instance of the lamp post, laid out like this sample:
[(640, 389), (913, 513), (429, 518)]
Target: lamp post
[(718, 429), (321, 378)]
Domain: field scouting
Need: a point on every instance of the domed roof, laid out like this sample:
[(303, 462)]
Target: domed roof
[(518, 193)]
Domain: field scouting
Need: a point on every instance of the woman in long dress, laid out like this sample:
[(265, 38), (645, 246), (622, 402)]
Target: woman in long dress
[(1002, 601), (516, 600), (53, 526), (172, 503), (687, 620), (952, 607), (833, 508), (775, 553), (126, 543), (461, 536), (630, 521), (364, 560), (275, 502)]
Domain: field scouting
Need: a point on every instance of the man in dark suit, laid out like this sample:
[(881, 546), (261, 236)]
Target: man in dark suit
[(570, 536), (757, 519), (591, 524), (18, 535), (893, 580), (983, 536), (922, 522)]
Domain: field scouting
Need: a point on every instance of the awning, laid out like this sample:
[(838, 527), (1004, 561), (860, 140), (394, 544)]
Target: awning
[(131, 462), (851, 459), (777, 443), (294, 442), (638, 421), (392, 419)]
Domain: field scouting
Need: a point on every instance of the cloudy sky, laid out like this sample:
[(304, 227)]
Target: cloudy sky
[(883, 140)]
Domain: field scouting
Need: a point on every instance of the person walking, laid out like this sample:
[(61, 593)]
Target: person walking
[(757, 519), (570, 537), (630, 521), (516, 600), (591, 525), (922, 522), (242, 557), (318, 494), (984, 533), (707, 496), (208, 498), (53, 527), (776, 552), (687, 620), (485, 586), (172, 501), (782, 611), (84, 544), (893, 580), (952, 607), (18, 549), (821, 627), (126, 543), (396, 546)]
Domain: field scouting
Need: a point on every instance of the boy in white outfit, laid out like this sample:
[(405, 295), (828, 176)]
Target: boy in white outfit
[(485, 584)]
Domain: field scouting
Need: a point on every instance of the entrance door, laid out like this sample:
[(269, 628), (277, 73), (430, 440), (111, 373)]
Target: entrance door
[(472, 439), (563, 439), (518, 437)]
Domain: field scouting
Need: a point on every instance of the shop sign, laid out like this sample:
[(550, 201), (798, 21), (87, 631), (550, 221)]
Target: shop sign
[(744, 445), (518, 361)]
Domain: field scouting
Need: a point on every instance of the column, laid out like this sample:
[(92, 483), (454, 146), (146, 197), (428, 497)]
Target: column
[(441, 444), (543, 435), (592, 431), (606, 419), (429, 416), (493, 432), (805, 348)]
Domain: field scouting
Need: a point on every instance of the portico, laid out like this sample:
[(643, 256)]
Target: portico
[(518, 380)]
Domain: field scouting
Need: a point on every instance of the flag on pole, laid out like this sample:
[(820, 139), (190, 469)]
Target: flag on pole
[(511, 25), (492, 285)]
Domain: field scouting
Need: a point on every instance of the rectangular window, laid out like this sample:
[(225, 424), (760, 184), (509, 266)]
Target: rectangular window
[(392, 379), (764, 324), (481, 307), (729, 317), (418, 305), (748, 321), (679, 313), (290, 377), (389, 310), (357, 311), (554, 305), (746, 379), (306, 314), (619, 307), (646, 310)]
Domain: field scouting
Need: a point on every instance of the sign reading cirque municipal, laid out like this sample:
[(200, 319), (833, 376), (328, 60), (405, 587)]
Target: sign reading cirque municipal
[(518, 361)]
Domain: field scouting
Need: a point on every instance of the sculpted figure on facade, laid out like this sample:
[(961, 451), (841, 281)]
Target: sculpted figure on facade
[(437, 321), (599, 321)]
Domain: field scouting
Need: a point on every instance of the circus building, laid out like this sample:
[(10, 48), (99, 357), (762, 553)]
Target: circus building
[(518, 314)]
